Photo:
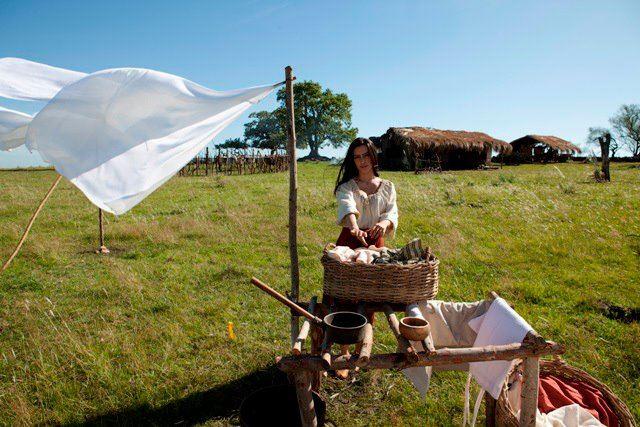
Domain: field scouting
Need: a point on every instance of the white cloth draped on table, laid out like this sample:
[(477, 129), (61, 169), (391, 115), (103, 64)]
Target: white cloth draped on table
[(13, 128), (120, 134)]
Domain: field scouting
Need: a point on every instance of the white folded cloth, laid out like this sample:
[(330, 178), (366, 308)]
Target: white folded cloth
[(498, 326)]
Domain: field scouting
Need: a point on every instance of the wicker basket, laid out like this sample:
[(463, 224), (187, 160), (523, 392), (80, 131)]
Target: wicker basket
[(505, 415), (391, 283)]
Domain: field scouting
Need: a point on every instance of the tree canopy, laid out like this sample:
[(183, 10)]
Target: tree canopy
[(322, 118), (626, 125), (234, 143)]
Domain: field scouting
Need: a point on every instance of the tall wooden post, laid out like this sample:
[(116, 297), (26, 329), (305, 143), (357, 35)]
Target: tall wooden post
[(102, 249), (529, 393), (293, 200)]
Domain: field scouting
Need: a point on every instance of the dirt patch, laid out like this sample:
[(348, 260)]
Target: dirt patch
[(619, 313)]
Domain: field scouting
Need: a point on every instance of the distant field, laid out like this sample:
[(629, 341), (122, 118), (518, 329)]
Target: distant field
[(141, 335)]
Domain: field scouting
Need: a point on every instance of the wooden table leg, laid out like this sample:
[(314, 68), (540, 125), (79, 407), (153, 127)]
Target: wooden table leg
[(305, 399), (529, 394), (316, 346), (490, 410)]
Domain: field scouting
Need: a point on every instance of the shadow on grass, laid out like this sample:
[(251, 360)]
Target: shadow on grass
[(219, 402)]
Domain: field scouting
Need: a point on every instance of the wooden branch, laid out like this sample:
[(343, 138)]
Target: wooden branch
[(403, 344), (306, 406), (30, 224), (529, 393), (443, 356), (293, 197), (304, 331), (367, 343)]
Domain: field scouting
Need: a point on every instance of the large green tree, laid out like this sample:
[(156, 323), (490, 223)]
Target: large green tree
[(322, 118)]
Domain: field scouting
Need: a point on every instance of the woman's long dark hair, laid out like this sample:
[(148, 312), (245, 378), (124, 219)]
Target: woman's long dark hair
[(348, 169)]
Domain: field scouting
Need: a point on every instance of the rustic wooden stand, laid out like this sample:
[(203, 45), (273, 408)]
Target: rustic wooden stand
[(306, 369)]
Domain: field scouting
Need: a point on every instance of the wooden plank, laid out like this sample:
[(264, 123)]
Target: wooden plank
[(443, 356), (293, 197), (529, 393), (305, 399), (403, 344), (304, 331)]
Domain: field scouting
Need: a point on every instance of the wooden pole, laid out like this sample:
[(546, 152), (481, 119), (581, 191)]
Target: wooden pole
[(490, 410), (306, 406), (31, 221), (443, 356), (304, 331), (293, 200), (529, 393), (102, 249)]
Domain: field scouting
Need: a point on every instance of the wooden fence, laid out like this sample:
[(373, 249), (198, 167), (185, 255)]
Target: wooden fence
[(236, 162)]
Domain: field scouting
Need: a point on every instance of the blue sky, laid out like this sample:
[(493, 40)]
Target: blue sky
[(504, 68)]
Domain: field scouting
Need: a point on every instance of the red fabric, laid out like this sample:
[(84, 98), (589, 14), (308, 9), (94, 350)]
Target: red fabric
[(346, 239), (555, 392)]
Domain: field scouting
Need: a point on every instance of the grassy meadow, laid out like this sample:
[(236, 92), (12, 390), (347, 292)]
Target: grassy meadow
[(140, 336)]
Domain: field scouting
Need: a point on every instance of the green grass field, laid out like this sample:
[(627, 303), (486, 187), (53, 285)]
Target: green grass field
[(140, 335)]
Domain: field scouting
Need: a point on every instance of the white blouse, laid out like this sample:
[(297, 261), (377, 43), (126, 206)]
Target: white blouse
[(368, 209)]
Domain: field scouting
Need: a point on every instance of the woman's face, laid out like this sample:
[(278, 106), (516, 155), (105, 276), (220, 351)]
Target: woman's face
[(362, 159)]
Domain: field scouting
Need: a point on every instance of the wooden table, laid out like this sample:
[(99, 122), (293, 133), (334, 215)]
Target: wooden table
[(306, 369)]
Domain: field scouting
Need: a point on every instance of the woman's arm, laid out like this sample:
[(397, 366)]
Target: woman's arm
[(388, 217)]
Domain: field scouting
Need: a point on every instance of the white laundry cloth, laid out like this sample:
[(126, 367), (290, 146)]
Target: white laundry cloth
[(498, 326), (32, 81), (566, 416), (13, 128), (341, 253), (120, 134)]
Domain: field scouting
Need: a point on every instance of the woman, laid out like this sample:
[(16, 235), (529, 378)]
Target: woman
[(367, 207)]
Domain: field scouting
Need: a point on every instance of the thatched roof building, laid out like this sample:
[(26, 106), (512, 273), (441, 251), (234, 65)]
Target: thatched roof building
[(542, 148), (417, 148)]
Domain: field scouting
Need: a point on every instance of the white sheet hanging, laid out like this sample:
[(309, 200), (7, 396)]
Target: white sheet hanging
[(120, 134), (32, 81), (13, 128)]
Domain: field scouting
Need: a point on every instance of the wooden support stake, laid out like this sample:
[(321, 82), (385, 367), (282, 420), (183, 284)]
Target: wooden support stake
[(293, 198), (326, 352), (367, 343), (31, 221), (304, 331), (490, 410), (364, 351), (403, 344), (307, 408), (529, 394), (102, 249)]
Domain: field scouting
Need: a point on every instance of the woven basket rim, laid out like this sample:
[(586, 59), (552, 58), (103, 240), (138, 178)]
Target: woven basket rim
[(559, 364)]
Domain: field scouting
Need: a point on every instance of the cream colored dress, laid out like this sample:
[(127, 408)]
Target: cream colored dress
[(368, 209)]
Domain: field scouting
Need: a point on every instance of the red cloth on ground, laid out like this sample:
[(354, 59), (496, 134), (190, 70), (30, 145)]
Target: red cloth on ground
[(555, 392), (346, 239)]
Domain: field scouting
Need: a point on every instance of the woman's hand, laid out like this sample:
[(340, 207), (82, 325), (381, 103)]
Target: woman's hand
[(359, 234), (380, 229)]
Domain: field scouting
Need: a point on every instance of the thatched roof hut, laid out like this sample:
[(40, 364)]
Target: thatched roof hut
[(416, 148), (542, 148)]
